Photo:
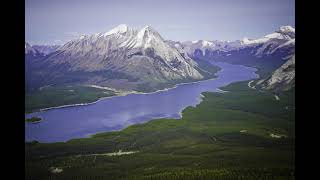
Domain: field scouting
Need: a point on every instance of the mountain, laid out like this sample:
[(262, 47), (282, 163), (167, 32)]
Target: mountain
[(39, 50), (46, 49), (29, 50), (284, 38), (129, 59), (266, 53), (281, 79), (267, 45), (31, 54), (121, 58), (203, 47)]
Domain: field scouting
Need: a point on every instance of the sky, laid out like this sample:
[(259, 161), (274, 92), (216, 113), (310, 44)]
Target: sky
[(58, 21)]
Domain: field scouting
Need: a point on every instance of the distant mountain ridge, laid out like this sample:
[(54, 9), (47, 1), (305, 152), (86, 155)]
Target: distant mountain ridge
[(267, 45), (46, 49), (266, 53)]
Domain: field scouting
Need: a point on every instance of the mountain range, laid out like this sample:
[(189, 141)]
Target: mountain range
[(125, 58), (266, 53), (284, 38)]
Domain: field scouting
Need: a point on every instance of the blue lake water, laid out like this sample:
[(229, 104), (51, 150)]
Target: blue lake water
[(116, 113)]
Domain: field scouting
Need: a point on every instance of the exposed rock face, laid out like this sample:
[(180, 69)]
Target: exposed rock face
[(140, 55), (281, 79)]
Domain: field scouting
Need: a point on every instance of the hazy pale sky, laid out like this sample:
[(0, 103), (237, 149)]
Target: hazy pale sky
[(57, 21)]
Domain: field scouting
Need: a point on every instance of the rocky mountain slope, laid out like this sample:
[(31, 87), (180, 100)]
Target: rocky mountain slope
[(122, 57), (281, 79)]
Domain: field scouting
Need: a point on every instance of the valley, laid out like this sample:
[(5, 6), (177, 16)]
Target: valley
[(69, 94), (141, 64), (128, 104), (207, 142), (118, 112)]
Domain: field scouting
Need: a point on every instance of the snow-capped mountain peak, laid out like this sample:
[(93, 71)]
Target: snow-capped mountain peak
[(122, 45), (82, 36), (147, 31), (120, 29), (281, 40), (207, 43), (147, 27), (146, 36), (284, 33), (274, 36), (246, 41), (28, 49), (287, 32), (286, 29)]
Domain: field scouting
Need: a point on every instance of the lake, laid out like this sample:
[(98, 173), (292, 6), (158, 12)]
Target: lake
[(116, 113)]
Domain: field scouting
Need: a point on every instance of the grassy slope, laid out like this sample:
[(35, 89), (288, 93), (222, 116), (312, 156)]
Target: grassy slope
[(204, 144), (58, 96)]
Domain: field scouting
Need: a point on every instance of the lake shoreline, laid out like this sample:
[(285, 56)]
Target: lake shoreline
[(120, 95), (130, 92), (91, 135), (148, 109)]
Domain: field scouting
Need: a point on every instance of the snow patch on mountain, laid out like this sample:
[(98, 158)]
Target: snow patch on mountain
[(142, 54), (120, 29), (207, 43), (284, 37), (287, 29)]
